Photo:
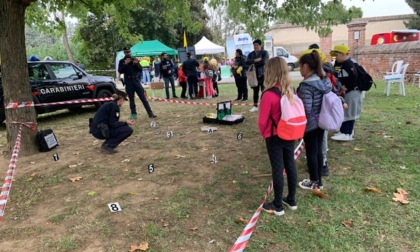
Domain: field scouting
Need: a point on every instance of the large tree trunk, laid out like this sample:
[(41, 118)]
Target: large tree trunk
[(14, 70), (65, 36)]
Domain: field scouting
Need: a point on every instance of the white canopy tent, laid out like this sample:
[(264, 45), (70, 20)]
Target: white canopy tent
[(205, 46)]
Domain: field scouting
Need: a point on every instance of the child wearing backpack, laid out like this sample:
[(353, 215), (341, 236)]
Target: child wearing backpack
[(280, 152), (346, 72), (311, 90)]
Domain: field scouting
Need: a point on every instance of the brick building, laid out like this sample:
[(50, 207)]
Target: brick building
[(377, 59)]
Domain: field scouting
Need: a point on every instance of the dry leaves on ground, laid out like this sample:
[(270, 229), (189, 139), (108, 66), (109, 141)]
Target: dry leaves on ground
[(372, 189), (143, 247), (401, 196), (319, 193), (74, 179), (241, 220), (194, 228), (347, 223)]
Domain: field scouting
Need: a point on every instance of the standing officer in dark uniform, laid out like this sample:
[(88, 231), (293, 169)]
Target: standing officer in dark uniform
[(106, 125), (130, 67), (189, 67)]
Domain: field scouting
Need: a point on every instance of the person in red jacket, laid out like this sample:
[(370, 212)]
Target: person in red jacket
[(280, 152), (182, 79)]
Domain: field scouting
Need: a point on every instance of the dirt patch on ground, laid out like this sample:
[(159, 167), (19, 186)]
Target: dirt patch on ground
[(171, 208)]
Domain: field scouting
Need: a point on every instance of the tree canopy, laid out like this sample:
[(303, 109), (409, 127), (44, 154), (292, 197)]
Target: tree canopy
[(414, 23), (315, 15)]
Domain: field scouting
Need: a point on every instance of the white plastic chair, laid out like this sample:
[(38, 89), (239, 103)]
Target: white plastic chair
[(396, 67), (396, 78), (416, 77)]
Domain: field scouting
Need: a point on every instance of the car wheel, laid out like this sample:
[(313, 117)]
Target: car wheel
[(103, 93), (290, 66)]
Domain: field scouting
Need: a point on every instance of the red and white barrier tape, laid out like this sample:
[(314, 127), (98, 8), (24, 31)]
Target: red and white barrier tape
[(7, 184), (195, 103), (14, 105), (243, 239)]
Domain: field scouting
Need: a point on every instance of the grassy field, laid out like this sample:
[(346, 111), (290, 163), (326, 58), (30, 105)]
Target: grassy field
[(191, 204)]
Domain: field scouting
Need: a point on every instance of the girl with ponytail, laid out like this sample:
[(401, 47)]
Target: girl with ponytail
[(311, 90)]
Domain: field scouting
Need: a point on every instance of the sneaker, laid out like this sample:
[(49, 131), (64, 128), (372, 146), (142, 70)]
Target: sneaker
[(184, 97), (325, 170), (307, 184), (244, 99), (319, 185), (292, 205), (238, 99), (342, 137), (152, 116), (108, 149), (270, 208), (174, 96), (254, 109), (133, 116), (337, 133)]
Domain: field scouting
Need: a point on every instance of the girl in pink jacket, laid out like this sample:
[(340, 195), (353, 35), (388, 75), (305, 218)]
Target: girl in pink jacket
[(280, 152)]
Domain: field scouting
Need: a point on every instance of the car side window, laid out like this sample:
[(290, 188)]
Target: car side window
[(38, 72), (64, 71), (281, 52)]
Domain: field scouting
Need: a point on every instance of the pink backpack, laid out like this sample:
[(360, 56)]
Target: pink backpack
[(292, 122)]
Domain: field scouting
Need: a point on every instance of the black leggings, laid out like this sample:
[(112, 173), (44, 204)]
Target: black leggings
[(313, 146), (281, 154), (257, 89)]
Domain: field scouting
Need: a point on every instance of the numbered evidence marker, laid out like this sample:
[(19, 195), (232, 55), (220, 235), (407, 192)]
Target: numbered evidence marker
[(56, 157), (213, 159), (151, 168), (170, 134), (114, 207), (153, 124), (210, 131), (239, 136)]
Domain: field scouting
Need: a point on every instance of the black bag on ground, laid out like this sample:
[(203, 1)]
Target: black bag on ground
[(46, 140)]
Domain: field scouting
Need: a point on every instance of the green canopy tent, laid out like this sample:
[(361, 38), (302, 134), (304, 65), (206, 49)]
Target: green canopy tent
[(151, 48), (146, 48)]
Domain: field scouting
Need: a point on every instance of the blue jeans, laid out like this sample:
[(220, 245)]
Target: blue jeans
[(172, 81), (132, 87), (146, 76)]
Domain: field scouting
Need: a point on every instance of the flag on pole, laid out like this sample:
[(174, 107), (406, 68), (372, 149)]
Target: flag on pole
[(185, 40)]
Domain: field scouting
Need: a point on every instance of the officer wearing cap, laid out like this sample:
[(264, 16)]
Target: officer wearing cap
[(189, 67), (106, 125), (131, 69)]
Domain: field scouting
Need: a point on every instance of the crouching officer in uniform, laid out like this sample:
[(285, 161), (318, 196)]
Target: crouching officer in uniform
[(131, 69), (105, 124)]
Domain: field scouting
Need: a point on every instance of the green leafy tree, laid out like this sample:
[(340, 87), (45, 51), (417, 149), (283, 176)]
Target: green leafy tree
[(414, 23), (99, 53), (255, 15), (13, 53), (317, 15)]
